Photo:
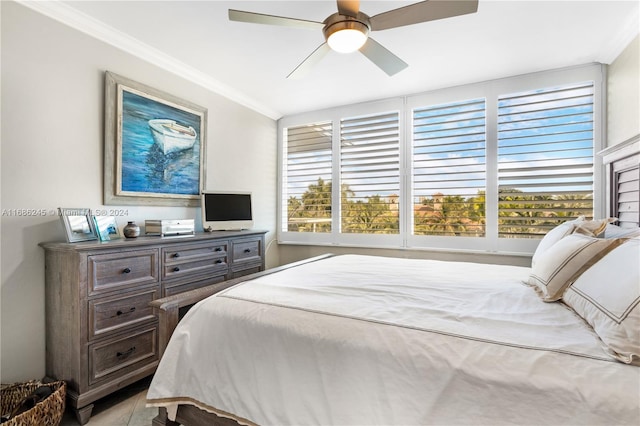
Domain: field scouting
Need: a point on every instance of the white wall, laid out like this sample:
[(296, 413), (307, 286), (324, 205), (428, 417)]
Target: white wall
[(52, 156), (623, 95)]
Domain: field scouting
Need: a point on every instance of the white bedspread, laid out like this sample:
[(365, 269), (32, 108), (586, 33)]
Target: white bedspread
[(363, 340)]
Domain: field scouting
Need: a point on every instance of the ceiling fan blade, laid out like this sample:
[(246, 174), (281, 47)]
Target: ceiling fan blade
[(259, 18), (424, 11), (383, 58), (349, 7), (310, 61)]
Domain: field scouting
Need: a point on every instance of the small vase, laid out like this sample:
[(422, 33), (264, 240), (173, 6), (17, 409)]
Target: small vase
[(131, 230)]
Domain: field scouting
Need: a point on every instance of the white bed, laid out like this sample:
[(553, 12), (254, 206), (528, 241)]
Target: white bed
[(353, 340), (363, 340)]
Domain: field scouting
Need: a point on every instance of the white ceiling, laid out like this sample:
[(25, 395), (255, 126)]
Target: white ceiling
[(249, 62)]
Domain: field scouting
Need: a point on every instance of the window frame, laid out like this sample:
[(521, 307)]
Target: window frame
[(490, 91)]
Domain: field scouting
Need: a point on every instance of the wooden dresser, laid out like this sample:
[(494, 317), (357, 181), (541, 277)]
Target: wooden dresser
[(101, 333)]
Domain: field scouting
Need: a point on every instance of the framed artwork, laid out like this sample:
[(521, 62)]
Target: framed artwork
[(154, 146), (107, 228), (77, 224)]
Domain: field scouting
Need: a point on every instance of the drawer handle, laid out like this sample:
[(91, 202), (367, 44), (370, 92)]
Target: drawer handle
[(125, 354), (126, 270), (247, 250), (176, 255), (124, 313), (176, 269), (218, 261), (218, 249)]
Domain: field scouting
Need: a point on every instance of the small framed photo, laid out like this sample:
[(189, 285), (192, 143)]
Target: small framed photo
[(77, 224), (107, 228)]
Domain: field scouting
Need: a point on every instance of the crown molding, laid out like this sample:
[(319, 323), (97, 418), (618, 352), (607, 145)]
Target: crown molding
[(84, 23)]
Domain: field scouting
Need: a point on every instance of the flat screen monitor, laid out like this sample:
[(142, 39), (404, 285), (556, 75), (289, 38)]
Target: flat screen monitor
[(226, 211)]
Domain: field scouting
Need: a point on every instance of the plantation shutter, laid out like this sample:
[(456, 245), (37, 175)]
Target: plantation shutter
[(449, 169), (370, 174), (627, 186), (307, 194), (545, 159)]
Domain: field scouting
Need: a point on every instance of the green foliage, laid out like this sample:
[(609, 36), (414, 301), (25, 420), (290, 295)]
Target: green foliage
[(313, 212), (519, 214), (371, 217), (524, 215)]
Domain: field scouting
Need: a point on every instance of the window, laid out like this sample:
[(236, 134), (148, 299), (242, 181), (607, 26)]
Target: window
[(308, 178), (370, 174), (449, 169), (545, 165), (485, 167)]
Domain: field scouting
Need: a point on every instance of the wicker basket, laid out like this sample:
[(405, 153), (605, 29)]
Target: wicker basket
[(47, 412)]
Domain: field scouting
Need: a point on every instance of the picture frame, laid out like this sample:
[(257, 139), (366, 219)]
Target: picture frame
[(154, 147), (77, 224), (107, 228)]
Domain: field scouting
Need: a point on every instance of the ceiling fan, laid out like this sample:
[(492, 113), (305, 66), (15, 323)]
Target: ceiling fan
[(348, 29)]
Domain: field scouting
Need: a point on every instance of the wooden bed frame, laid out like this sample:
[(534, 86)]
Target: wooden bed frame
[(623, 177)]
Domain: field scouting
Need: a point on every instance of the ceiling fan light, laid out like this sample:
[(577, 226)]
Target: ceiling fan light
[(347, 40), (345, 35)]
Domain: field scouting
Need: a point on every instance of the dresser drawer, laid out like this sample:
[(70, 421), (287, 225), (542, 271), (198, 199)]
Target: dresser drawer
[(196, 259), (122, 311), (122, 270), (119, 356), (194, 251), (205, 266), (247, 251)]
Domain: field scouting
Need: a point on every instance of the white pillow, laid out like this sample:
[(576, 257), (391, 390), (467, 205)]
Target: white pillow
[(607, 296), (559, 266), (595, 228), (614, 231), (553, 236)]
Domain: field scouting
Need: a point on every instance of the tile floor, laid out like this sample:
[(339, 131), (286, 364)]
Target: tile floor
[(123, 408)]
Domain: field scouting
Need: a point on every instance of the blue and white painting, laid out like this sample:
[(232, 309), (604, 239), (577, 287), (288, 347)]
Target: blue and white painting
[(161, 147)]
